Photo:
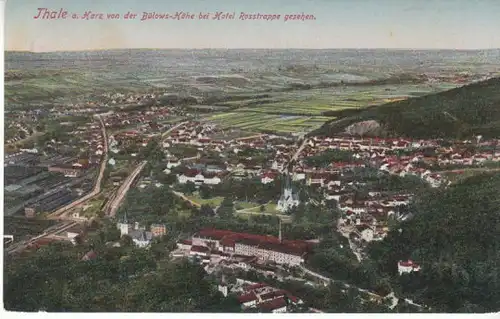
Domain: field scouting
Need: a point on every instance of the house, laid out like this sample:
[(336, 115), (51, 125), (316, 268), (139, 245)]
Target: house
[(266, 298), (268, 177), (189, 176), (407, 267), (91, 255), (197, 177), (68, 171), (278, 305), (141, 238), (248, 300), (199, 251), (316, 179), (173, 163), (73, 232), (366, 232), (158, 230), (184, 244), (211, 179), (298, 176)]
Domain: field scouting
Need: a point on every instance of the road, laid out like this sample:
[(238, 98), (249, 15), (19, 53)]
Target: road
[(304, 143), (295, 155), (345, 231), (57, 214), (184, 197), (371, 294), (97, 186), (115, 200), (19, 246), (164, 134), (115, 203)]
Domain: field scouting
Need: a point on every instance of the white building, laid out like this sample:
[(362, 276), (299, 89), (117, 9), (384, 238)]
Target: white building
[(367, 234), (407, 267), (198, 178), (140, 237), (288, 199), (172, 164), (265, 248)]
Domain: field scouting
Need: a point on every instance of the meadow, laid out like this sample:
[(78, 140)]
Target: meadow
[(301, 111), (262, 122)]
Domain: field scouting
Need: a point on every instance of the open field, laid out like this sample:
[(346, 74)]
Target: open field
[(303, 110), (259, 122), (245, 205), (213, 202)]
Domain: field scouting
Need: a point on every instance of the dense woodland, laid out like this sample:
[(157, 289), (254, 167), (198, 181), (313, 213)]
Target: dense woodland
[(455, 236), (123, 279), (462, 112)]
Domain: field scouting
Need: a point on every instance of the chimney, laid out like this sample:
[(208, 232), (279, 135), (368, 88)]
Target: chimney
[(280, 238)]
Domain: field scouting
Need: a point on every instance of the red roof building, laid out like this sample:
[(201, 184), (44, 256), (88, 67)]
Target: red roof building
[(275, 305), (263, 247), (407, 267)]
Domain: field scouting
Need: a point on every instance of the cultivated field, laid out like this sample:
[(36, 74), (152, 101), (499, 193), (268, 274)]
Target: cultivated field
[(261, 122)]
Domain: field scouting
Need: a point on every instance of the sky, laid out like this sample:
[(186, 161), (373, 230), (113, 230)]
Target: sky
[(401, 24)]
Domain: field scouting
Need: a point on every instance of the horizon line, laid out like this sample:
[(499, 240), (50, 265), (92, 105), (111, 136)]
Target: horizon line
[(228, 49)]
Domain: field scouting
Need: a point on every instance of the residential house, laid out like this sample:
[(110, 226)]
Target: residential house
[(407, 267)]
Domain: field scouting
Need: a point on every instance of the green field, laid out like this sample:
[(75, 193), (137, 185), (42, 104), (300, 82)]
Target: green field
[(303, 110), (259, 122), (213, 202)]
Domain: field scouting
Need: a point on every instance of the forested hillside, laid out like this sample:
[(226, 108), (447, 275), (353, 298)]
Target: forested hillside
[(461, 112), (455, 236)]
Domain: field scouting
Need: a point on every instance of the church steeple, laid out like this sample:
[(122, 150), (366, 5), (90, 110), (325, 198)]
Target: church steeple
[(123, 226)]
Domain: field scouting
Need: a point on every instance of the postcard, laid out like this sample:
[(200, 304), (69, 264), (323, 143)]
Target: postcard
[(251, 157)]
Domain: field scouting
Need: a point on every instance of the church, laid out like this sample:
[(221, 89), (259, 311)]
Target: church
[(288, 198), (139, 235)]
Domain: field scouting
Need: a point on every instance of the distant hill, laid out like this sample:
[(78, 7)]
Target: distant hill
[(469, 110)]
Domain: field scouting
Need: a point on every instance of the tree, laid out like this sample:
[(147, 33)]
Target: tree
[(153, 151), (205, 192), (126, 241), (121, 279), (206, 210), (454, 235), (226, 208), (189, 188)]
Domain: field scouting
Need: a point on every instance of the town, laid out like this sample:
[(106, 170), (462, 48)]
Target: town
[(365, 184)]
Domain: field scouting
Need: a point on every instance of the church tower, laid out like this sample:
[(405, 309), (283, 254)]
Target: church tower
[(223, 288), (123, 226), (288, 199)]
